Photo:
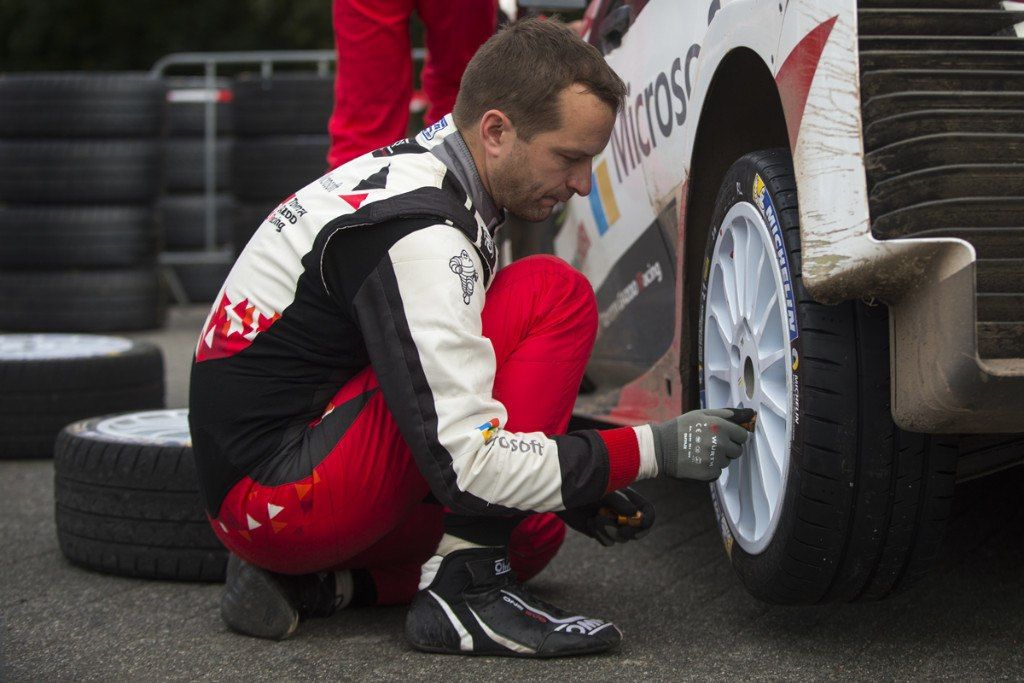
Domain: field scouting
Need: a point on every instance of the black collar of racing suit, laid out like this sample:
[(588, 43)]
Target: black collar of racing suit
[(455, 155)]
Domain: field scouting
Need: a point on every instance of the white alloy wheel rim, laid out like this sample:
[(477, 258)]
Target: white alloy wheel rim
[(56, 346), (157, 427), (747, 364)]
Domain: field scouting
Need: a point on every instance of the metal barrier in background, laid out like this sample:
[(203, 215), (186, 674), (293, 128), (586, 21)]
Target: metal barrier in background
[(209, 63)]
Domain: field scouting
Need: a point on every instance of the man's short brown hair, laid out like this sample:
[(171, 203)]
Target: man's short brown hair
[(522, 69)]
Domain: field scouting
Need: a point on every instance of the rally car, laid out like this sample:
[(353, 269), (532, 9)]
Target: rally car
[(815, 208)]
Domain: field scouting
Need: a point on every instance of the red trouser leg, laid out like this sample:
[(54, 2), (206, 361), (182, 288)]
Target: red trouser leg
[(373, 83), (362, 505), (455, 30)]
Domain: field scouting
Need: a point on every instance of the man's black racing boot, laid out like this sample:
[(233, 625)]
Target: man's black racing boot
[(264, 604), (473, 605)]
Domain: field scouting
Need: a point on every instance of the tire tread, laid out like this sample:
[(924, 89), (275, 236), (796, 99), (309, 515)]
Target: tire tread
[(132, 509)]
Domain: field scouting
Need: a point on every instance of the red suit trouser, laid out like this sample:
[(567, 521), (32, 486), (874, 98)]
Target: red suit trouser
[(363, 506), (373, 84)]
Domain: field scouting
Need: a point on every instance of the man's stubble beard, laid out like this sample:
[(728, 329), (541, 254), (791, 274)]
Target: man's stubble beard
[(515, 190)]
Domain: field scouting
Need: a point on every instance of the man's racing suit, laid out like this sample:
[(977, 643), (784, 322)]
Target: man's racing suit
[(303, 312)]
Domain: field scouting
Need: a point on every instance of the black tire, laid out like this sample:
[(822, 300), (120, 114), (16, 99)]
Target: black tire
[(77, 236), (131, 505), (184, 220), (865, 503), (288, 104), (186, 114), (47, 381), (79, 171), (202, 281), (270, 169), (185, 164), (80, 301), (78, 105)]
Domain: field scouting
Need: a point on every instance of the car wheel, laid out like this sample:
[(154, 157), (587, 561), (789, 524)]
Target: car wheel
[(830, 501), (127, 499)]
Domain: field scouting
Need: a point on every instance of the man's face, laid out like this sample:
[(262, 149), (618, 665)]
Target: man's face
[(553, 166)]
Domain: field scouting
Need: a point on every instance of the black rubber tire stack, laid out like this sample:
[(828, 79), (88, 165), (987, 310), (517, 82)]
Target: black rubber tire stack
[(129, 504), (281, 144), (79, 173), (49, 380), (182, 206)]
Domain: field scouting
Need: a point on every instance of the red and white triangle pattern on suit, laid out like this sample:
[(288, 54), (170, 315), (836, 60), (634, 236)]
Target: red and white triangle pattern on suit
[(231, 328), (278, 516), (355, 200)]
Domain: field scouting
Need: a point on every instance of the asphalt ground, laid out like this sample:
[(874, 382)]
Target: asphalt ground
[(684, 613)]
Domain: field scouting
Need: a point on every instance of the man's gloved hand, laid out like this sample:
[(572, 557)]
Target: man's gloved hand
[(601, 520), (699, 444)]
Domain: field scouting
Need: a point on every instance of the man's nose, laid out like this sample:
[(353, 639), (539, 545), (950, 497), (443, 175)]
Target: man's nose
[(579, 182)]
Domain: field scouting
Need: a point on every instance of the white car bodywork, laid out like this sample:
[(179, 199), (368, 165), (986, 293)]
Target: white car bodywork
[(669, 58)]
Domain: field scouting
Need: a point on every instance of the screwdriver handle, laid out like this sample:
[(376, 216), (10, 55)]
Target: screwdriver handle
[(744, 417), (636, 520)]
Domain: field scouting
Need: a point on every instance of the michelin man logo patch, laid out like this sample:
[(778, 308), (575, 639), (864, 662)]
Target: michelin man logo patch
[(464, 267)]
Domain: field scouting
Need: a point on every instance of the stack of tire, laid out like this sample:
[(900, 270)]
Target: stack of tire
[(182, 206), (126, 492), (49, 380), (128, 501), (281, 143), (79, 174)]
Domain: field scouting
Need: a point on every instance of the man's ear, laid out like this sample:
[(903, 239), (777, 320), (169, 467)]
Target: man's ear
[(496, 132)]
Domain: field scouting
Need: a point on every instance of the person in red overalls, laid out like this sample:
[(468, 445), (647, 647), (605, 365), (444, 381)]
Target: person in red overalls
[(373, 85), (378, 413)]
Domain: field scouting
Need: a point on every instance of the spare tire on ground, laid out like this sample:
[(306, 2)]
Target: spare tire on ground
[(127, 499), (49, 380)]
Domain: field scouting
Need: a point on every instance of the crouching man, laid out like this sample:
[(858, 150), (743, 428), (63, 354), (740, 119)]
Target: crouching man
[(379, 417)]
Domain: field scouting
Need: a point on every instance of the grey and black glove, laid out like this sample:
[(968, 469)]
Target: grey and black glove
[(701, 443), (621, 516)]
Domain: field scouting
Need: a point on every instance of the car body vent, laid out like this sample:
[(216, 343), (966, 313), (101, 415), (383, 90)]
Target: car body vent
[(942, 96)]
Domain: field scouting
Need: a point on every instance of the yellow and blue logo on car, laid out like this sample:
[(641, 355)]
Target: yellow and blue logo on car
[(602, 199)]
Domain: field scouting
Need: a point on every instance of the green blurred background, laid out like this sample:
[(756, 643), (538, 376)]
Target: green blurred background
[(116, 35), (46, 35)]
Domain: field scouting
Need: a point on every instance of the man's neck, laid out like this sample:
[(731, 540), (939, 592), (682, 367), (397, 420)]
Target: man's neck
[(459, 156), (473, 145)]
